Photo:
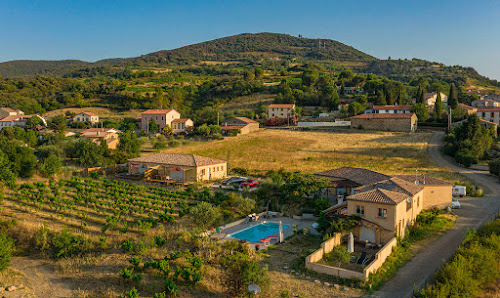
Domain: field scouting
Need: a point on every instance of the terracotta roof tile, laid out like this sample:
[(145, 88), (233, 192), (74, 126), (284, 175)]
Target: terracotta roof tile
[(283, 105), (359, 175), (245, 119), (488, 110), (391, 107), (156, 111), (422, 180), (189, 160), (180, 120), (378, 195)]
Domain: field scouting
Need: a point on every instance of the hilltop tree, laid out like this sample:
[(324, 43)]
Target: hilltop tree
[(248, 75), (58, 123), (259, 73), (380, 98), (342, 87), (389, 97), (452, 97)]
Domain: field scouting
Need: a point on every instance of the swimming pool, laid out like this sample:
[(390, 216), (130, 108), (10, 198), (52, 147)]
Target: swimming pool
[(260, 231)]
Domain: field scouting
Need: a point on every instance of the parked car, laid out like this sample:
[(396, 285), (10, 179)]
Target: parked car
[(250, 183), (233, 181), (459, 190), (455, 204)]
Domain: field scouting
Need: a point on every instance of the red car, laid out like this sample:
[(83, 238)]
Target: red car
[(250, 183)]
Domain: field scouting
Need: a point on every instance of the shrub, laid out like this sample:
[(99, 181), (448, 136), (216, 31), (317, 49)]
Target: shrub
[(126, 273), (204, 214), (171, 287), (66, 244), (128, 246), (465, 159), (133, 293), (338, 256), (6, 248), (135, 261), (494, 166)]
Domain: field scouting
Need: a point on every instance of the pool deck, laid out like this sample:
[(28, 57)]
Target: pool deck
[(225, 233)]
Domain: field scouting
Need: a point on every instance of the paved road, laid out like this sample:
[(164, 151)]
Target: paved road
[(474, 213)]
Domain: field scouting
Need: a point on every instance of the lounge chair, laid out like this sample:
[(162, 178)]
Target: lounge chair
[(361, 258), (368, 260)]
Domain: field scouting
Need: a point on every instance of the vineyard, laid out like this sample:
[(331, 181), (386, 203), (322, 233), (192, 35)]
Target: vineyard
[(100, 206)]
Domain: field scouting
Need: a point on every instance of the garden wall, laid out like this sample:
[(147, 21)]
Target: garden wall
[(328, 245)]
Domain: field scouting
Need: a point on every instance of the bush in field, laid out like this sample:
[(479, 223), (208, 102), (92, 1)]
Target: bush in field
[(205, 215), (133, 293), (171, 287), (6, 248), (242, 272), (66, 244), (494, 166)]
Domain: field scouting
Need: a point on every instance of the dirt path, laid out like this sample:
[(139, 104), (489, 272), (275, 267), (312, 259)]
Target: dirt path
[(474, 213), (39, 278)]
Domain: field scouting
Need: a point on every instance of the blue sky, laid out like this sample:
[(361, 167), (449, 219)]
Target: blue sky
[(452, 32)]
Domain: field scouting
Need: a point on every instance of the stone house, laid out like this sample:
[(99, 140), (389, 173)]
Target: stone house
[(86, 117), (405, 122), (161, 117), (280, 110), (185, 168), (97, 135), (243, 124), (182, 125)]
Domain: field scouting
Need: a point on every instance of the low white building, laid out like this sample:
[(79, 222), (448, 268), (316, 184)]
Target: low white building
[(390, 109), (281, 110)]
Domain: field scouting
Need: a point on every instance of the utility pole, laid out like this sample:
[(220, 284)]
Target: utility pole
[(449, 119)]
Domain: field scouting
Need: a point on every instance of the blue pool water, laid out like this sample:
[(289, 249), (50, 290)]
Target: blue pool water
[(260, 231)]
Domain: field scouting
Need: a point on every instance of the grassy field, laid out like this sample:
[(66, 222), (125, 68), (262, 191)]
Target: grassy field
[(310, 152)]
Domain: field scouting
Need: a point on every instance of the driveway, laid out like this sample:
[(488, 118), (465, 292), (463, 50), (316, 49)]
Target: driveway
[(474, 213)]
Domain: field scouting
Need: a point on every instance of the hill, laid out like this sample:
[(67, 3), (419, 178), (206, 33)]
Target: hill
[(254, 47), (242, 47)]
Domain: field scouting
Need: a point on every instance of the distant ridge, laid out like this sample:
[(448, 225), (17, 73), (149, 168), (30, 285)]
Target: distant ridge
[(242, 47)]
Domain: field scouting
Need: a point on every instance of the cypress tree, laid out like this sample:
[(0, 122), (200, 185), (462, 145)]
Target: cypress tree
[(452, 97), (381, 98), (389, 97), (438, 106), (342, 88)]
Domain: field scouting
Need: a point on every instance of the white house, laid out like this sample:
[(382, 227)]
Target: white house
[(430, 98), (489, 114), (390, 109), (86, 117), (280, 110)]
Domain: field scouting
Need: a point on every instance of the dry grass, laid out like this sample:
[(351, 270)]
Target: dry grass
[(249, 101), (310, 152)]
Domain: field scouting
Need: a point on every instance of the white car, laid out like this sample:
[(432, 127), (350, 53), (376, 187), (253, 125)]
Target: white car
[(455, 204)]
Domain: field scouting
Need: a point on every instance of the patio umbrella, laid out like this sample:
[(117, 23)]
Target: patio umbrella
[(350, 245), (281, 232)]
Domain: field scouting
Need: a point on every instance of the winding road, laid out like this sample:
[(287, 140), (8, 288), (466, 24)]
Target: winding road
[(474, 213)]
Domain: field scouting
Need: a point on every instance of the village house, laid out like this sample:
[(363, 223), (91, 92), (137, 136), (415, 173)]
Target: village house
[(242, 124), (185, 168), (182, 125), (86, 117), (389, 109), (489, 114), (161, 117), (281, 110), (405, 122), (351, 90), (485, 103), (387, 205), (430, 98), (468, 109), (97, 135), (5, 112), (20, 121)]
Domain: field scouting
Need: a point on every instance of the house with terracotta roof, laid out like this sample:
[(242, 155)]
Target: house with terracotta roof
[(86, 117), (162, 117), (489, 114), (19, 120), (485, 103), (386, 204), (5, 112), (404, 122), (390, 109), (97, 135), (185, 168), (280, 110), (468, 109), (242, 124), (182, 125)]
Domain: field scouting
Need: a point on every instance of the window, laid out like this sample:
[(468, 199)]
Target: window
[(360, 210), (161, 117), (221, 168), (418, 201), (382, 213), (203, 171)]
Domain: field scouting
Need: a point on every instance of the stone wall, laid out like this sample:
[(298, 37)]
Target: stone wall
[(327, 246)]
